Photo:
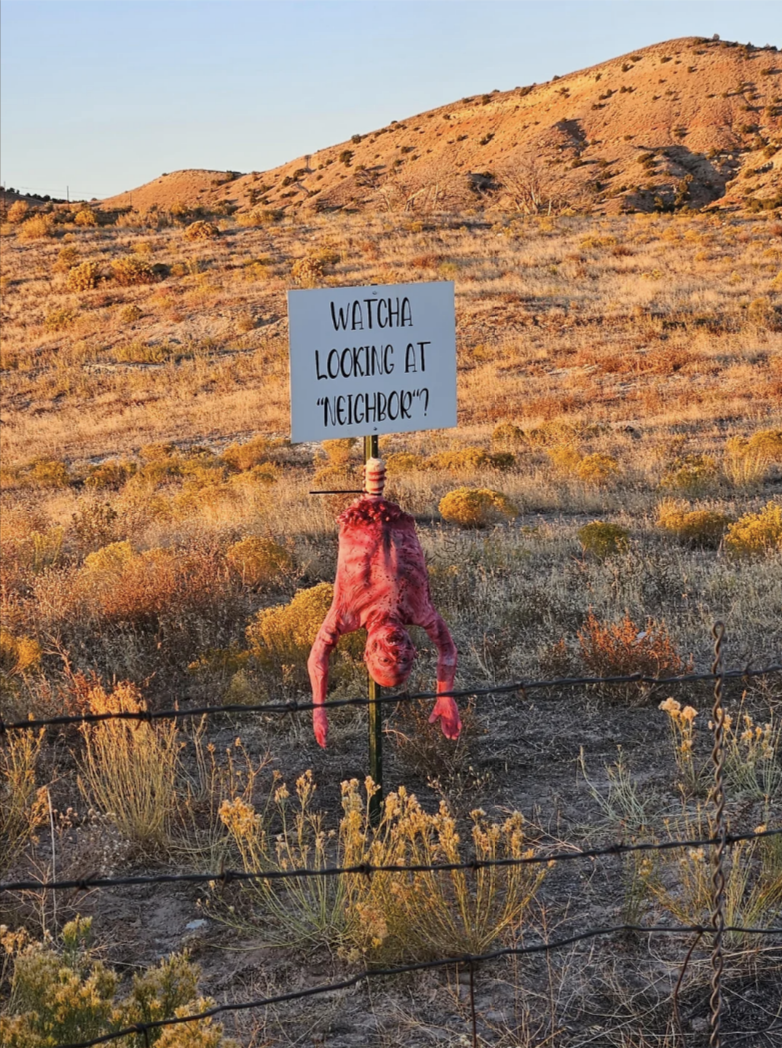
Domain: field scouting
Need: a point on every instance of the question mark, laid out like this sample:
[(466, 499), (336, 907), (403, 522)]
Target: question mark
[(426, 406)]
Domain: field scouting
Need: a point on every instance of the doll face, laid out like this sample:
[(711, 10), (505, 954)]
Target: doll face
[(389, 655)]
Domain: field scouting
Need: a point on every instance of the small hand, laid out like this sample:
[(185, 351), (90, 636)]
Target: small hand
[(451, 722), (321, 726)]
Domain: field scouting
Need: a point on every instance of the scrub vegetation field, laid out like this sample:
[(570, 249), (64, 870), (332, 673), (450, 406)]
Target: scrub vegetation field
[(613, 488)]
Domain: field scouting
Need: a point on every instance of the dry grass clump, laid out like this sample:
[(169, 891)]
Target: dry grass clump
[(756, 533), (476, 507), (23, 802), (83, 277), (602, 539), (620, 649), (703, 528), (130, 768), (259, 561), (60, 319), (201, 230)]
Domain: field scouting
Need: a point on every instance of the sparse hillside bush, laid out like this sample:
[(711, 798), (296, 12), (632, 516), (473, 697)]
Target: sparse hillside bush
[(18, 212), (111, 474), (36, 228), (757, 533), (60, 319), (703, 528), (201, 231), (619, 649), (85, 217), (83, 277), (507, 434), (259, 561), (130, 314), (132, 270), (403, 462), (67, 257), (603, 539), (470, 458), (477, 507), (253, 452), (744, 464), (307, 272)]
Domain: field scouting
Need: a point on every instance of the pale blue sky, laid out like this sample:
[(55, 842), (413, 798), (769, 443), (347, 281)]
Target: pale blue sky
[(103, 96)]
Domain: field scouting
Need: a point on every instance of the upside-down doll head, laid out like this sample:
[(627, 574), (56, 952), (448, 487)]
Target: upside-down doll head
[(389, 655)]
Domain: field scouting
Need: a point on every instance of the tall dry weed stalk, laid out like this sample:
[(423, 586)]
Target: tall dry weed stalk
[(130, 768)]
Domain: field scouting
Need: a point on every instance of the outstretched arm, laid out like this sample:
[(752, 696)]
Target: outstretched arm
[(445, 707), (318, 667)]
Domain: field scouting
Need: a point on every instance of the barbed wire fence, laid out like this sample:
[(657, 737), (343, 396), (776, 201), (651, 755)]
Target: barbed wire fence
[(720, 841)]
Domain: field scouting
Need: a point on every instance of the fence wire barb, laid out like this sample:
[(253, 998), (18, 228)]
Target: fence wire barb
[(294, 706), (418, 966), (227, 876)]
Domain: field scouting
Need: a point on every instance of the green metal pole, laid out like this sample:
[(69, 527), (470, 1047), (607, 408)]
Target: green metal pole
[(371, 450)]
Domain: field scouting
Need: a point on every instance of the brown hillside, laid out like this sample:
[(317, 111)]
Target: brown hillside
[(686, 122)]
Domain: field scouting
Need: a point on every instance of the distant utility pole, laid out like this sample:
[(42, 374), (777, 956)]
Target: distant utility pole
[(68, 194)]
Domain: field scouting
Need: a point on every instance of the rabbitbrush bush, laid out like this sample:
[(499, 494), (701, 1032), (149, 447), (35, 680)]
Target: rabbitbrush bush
[(389, 916), (603, 539), (703, 528), (283, 635), (259, 561), (757, 533), (476, 507), (61, 992), (83, 277)]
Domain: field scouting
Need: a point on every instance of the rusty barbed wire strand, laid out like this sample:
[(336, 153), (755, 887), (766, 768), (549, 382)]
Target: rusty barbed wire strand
[(228, 876), (417, 966), (294, 706), (717, 797)]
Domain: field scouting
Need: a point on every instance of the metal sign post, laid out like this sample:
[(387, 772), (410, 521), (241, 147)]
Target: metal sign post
[(371, 451)]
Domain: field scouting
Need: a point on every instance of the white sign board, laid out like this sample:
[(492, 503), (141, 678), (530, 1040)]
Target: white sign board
[(378, 359)]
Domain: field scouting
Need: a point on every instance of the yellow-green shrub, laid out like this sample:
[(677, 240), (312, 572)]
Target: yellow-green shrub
[(476, 507), (470, 458), (283, 635), (132, 270), (507, 434), (259, 561), (83, 277), (47, 473), (700, 527), (692, 473), (757, 533), (67, 258), (603, 539), (597, 469), (112, 473), (768, 442), (404, 462), (17, 212), (244, 456), (61, 993), (565, 458)]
